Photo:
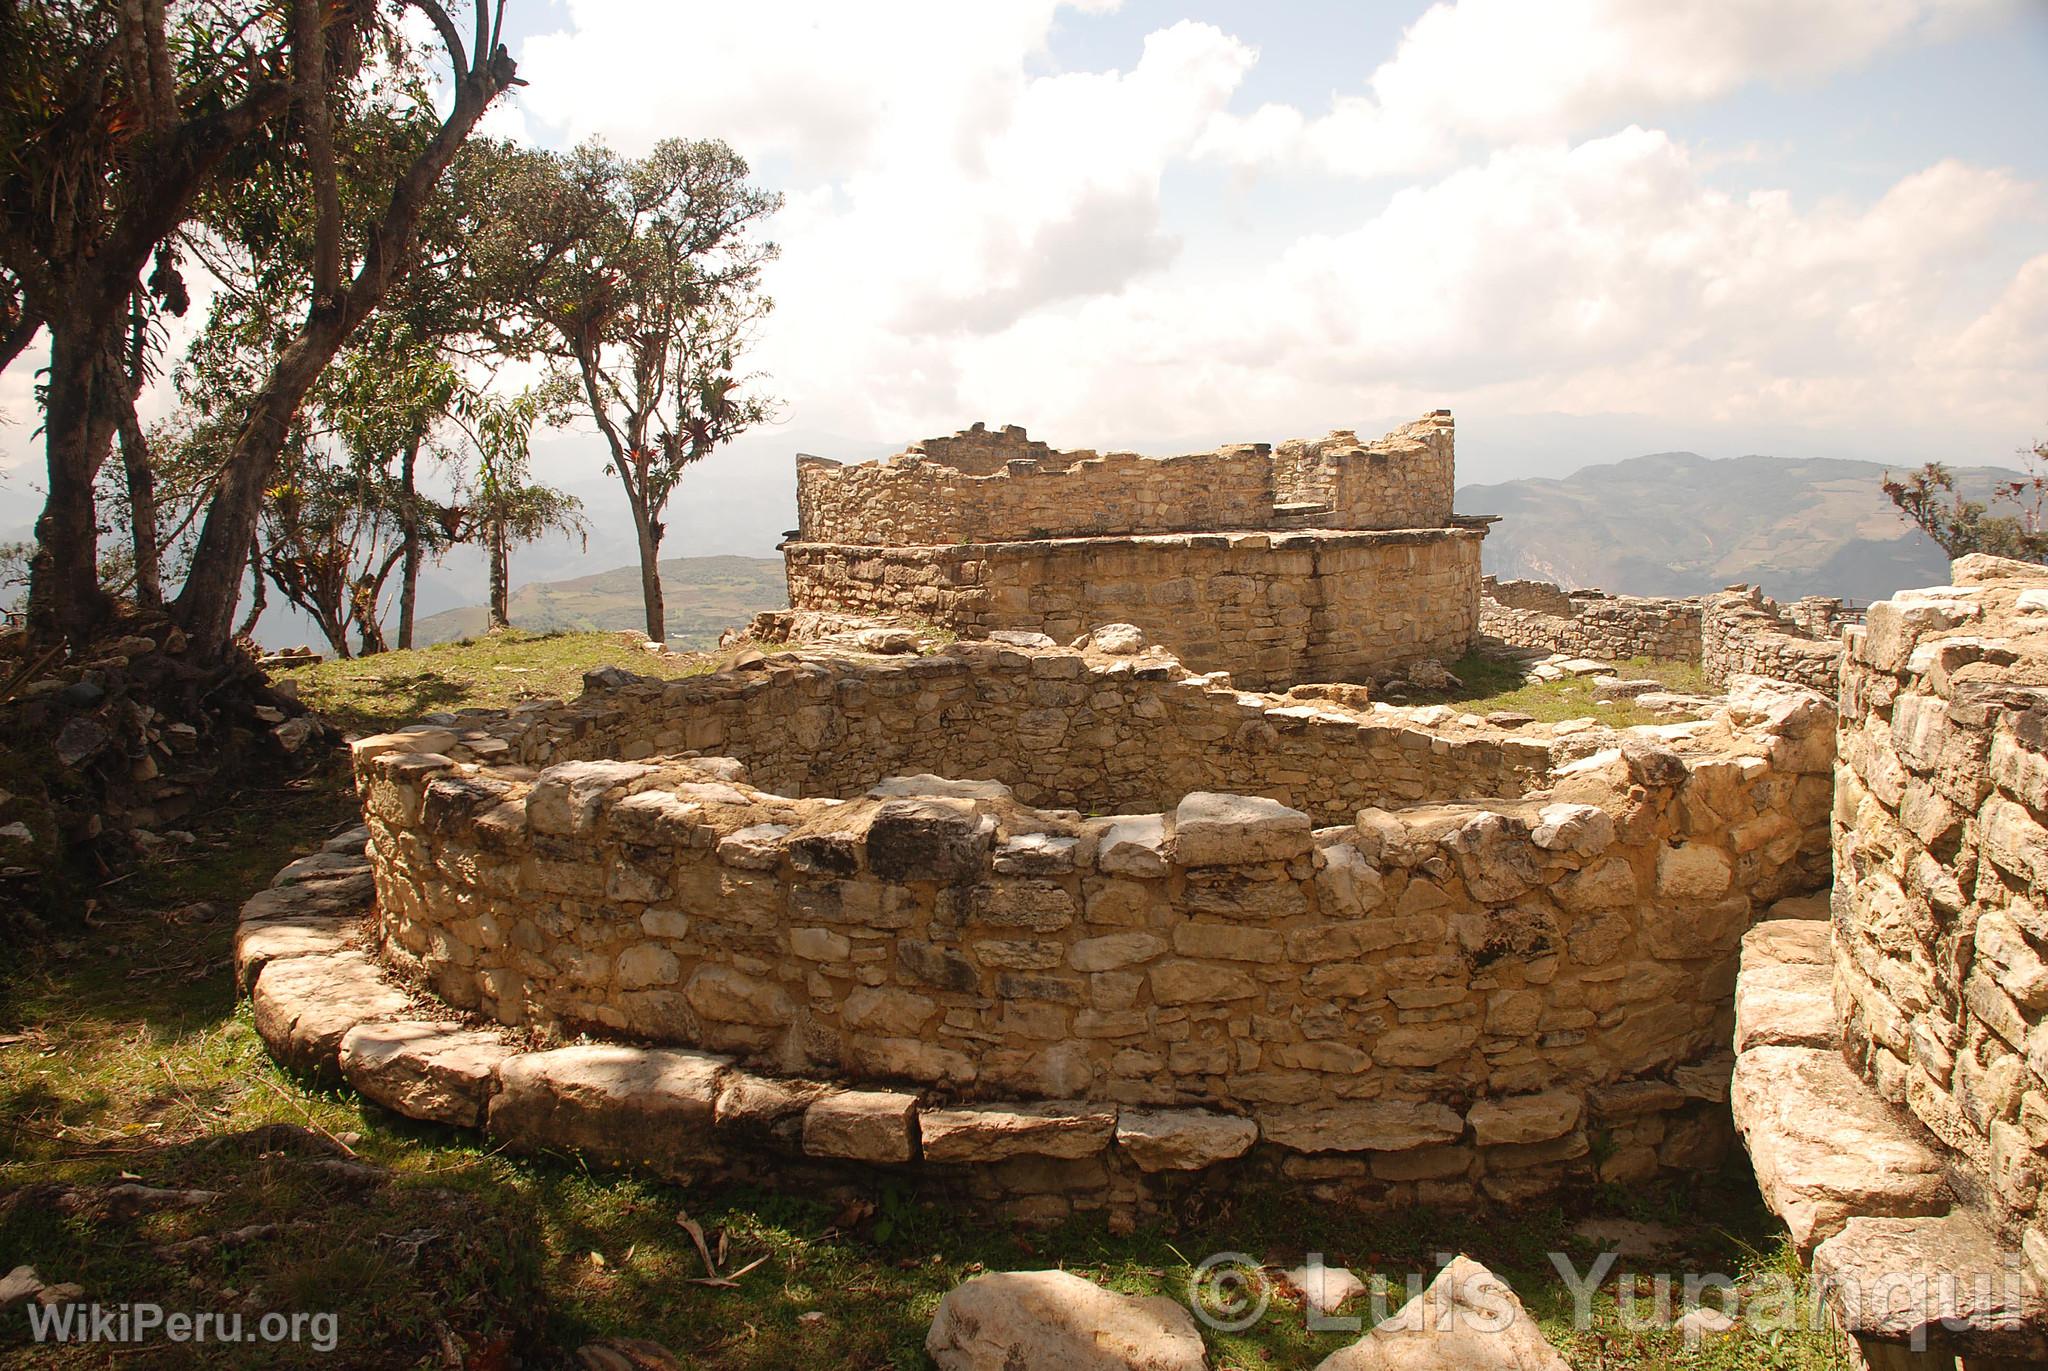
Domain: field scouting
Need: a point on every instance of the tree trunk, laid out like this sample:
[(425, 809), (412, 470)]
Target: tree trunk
[(258, 598), (206, 605), (650, 579), (501, 576), (409, 521), (142, 525), (65, 599)]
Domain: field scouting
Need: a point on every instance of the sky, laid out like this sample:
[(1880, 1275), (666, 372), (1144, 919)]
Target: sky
[(1591, 228)]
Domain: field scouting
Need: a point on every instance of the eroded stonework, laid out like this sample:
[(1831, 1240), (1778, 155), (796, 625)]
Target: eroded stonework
[(1322, 560)]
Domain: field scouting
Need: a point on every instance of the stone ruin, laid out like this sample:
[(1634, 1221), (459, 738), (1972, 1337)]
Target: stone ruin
[(1047, 928), (1328, 559)]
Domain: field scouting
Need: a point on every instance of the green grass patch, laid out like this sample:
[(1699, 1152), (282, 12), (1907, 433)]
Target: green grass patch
[(1489, 685)]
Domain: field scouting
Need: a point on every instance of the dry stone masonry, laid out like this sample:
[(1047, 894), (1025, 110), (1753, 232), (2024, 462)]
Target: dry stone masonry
[(1891, 1081), (1326, 560), (1735, 632), (1053, 985)]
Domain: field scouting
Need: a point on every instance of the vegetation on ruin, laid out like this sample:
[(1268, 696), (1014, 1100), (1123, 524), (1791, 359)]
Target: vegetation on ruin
[(125, 1053), (1490, 685)]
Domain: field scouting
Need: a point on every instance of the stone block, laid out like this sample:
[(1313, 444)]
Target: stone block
[(430, 1071), (620, 1106), (990, 1133), (1212, 829), (862, 1125)]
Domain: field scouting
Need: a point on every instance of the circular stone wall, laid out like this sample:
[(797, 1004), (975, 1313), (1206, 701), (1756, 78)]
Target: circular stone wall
[(1438, 996)]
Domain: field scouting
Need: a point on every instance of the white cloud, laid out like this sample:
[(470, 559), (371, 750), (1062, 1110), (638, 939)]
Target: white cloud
[(1494, 72)]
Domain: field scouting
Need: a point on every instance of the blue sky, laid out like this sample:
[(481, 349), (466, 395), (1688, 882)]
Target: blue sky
[(1593, 228)]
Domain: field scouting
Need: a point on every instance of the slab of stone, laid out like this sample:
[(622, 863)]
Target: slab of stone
[(762, 1111), (1325, 1288), (621, 1106), (1372, 1126), (1615, 688), (862, 1126), (1801, 907), (424, 1070), (925, 785), (322, 866), (305, 1005), (1133, 845), (1468, 1319), (1779, 941), (1943, 1282), (1027, 1320), (930, 839), (331, 895), (1182, 1139), (755, 848), (1825, 1148), (1586, 666), (1525, 1118), (259, 942), (991, 1133), (1786, 1004), (1212, 829)]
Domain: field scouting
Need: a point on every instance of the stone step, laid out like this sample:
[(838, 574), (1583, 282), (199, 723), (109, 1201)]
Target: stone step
[(1921, 1291), (1825, 1148), (1784, 993)]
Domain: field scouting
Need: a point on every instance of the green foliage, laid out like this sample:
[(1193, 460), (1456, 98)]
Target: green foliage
[(1928, 499)]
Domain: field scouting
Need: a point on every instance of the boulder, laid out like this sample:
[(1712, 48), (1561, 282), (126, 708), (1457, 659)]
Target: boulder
[(1467, 1320), (1182, 1139), (305, 1005), (622, 1106), (1027, 1320), (423, 1070)]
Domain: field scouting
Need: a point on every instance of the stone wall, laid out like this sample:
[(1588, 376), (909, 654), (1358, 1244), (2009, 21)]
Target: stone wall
[(1941, 834), (1743, 633), (1448, 998), (984, 487), (1271, 608), (1590, 623)]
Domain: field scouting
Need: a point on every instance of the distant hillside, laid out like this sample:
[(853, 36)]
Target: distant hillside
[(1676, 523), (702, 596)]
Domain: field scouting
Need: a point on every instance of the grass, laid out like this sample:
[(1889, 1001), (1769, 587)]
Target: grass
[(368, 694), (124, 1053), (1488, 685)]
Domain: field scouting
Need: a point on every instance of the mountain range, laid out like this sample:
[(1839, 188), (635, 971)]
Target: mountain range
[(701, 596), (1676, 523)]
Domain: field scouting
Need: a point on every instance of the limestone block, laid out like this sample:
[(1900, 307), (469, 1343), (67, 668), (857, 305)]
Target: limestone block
[(1133, 845), (1114, 950), (1693, 871), (424, 1070), (1525, 1118), (862, 1125), (1943, 1284), (757, 847), (889, 1013), (989, 1133), (1192, 982), (1790, 1004), (305, 1005), (567, 798), (761, 1111), (1182, 1139), (1212, 829), (1825, 1148), (932, 839), (1375, 1125), (1008, 1320), (620, 1106), (725, 995), (259, 942)]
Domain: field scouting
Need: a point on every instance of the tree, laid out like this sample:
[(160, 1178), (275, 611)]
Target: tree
[(508, 508), (645, 291), (1928, 498), (113, 117), (116, 117)]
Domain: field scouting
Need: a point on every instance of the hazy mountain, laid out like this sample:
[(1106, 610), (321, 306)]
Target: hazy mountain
[(702, 596), (1676, 523)]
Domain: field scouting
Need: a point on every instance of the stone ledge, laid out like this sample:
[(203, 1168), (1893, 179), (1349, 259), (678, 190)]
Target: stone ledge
[(1940, 1284), (1825, 1148)]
